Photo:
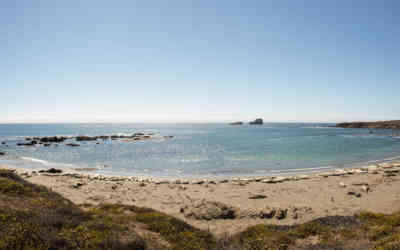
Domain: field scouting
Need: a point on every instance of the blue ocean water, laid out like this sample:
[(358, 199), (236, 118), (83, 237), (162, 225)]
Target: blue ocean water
[(201, 150)]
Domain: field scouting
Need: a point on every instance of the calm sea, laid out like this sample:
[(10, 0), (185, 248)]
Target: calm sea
[(202, 150)]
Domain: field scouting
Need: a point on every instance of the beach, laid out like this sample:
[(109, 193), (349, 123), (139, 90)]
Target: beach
[(232, 205)]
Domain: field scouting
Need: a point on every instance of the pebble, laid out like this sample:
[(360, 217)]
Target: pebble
[(301, 177), (365, 188), (161, 182)]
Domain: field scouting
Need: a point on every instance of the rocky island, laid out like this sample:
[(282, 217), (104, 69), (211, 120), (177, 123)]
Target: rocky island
[(371, 125), (257, 121), (236, 123)]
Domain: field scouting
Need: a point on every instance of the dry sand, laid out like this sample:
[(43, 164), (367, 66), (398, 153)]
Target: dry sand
[(321, 195)]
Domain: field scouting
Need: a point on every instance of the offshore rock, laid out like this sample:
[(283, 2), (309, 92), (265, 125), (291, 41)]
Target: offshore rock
[(257, 121), (236, 123), (86, 138), (52, 139), (27, 144)]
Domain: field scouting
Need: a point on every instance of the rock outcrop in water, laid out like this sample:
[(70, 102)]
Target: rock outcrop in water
[(257, 121), (86, 138), (47, 140), (53, 139), (371, 125), (31, 143), (236, 123)]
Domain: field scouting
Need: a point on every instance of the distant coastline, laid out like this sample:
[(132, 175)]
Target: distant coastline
[(395, 124)]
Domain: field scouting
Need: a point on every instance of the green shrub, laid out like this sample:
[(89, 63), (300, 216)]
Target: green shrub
[(11, 187), (263, 237)]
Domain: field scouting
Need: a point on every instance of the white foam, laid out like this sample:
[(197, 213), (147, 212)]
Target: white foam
[(301, 169), (35, 160)]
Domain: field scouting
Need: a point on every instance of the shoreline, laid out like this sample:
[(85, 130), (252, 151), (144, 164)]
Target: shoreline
[(288, 174), (274, 178)]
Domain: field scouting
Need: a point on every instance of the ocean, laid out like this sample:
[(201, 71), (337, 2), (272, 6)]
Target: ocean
[(201, 150)]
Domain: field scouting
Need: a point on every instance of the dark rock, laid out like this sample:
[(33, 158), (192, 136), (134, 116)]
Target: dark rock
[(257, 196), (281, 213), (52, 139), (2, 153), (236, 123), (51, 171), (257, 121), (267, 213), (3, 143), (356, 194), (46, 145), (28, 139), (25, 144), (78, 185), (72, 145), (86, 138)]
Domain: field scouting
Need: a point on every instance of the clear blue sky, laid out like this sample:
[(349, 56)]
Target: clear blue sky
[(198, 61)]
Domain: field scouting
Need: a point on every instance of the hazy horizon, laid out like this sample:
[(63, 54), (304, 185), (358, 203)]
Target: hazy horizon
[(199, 62)]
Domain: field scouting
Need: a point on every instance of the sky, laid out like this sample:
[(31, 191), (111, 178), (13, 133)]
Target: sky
[(199, 61)]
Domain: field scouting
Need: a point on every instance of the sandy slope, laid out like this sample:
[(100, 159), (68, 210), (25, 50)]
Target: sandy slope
[(315, 197)]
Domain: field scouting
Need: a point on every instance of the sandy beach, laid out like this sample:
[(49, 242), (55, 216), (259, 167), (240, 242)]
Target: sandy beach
[(232, 205)]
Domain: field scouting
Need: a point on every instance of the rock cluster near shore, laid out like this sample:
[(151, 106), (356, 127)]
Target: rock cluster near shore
[(48, 140)]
